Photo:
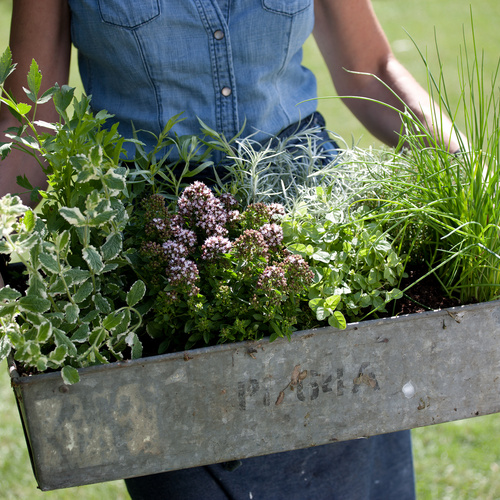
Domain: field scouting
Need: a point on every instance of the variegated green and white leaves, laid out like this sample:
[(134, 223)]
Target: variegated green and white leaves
[(79, 306)]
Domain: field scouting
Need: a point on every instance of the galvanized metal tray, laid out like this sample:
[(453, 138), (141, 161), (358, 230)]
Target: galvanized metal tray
[(235, 401)]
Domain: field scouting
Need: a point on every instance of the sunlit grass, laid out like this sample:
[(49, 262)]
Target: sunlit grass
[(458, 460)]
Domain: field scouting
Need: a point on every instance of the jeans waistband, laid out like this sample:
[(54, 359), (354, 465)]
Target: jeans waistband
[(316, 120)]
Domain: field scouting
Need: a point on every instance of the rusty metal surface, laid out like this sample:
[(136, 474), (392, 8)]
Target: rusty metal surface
[(240, 400)]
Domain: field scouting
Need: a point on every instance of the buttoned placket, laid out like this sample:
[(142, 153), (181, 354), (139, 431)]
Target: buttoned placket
[(215, 17)]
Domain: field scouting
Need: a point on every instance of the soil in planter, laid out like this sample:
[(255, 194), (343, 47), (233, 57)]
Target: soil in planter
[(426, 295)]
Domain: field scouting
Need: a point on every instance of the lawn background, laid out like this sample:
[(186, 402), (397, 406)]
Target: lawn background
[(459, 460)]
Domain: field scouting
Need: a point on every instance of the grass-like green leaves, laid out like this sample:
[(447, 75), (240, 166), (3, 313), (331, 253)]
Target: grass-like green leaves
[(451, 199)]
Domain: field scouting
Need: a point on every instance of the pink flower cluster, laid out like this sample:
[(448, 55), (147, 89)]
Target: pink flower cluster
[(275, 210), (272, 278), (258, 214), (202, 210), (214, 247), (229, 201), (289, 276), (183, 272), (180, 271), (251, 244), (298, 273), (207, 228), (185, 237), (273, 235), (174, 250)]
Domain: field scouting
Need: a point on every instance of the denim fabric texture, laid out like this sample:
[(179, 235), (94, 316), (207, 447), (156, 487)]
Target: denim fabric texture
[(377, 468), (223, 61)]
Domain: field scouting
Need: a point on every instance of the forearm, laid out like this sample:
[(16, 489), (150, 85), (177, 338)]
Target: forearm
[(396, 88), (363, 66), (39, 31)]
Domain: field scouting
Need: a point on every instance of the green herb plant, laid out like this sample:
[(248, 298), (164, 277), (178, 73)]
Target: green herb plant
[(79, 305), (356, 269), (462, 190), (441, 205), (217, 273)]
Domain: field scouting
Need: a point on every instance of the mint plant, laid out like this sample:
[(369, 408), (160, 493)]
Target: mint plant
[(78, 308), (356, 270)]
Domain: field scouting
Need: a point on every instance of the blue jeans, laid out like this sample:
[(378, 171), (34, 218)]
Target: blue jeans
[(376, 468)]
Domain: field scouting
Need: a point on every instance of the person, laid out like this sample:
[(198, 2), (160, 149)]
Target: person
[(229, 62)]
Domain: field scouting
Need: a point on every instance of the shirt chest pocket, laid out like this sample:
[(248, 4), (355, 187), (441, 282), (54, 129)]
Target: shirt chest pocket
[(128, 13), (286, 7)]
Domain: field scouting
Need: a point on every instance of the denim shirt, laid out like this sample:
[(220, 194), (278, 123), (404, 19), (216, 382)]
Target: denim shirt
[(224, 61)]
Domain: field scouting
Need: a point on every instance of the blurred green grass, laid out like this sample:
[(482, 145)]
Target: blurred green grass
[(455, 461), (419, 20), (16, 477)]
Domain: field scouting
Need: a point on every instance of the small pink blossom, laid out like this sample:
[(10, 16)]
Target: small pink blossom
[(228, 200), (251, 244), (275, 210), (214, 247), (182, 272), (201, 209), (174, 249), (272, 278), (273, 234), (185, 237)]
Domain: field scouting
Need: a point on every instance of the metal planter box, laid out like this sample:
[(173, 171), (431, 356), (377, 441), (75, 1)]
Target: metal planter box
[(239, 400)]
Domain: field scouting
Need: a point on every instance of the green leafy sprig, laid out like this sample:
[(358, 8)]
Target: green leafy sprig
[(75, 311)]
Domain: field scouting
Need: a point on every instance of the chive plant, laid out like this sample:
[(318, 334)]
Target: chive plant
[(455, 196), (442, 206)]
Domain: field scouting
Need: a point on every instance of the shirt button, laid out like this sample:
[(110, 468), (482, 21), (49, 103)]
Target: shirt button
[(219, 35), (226, 91)]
